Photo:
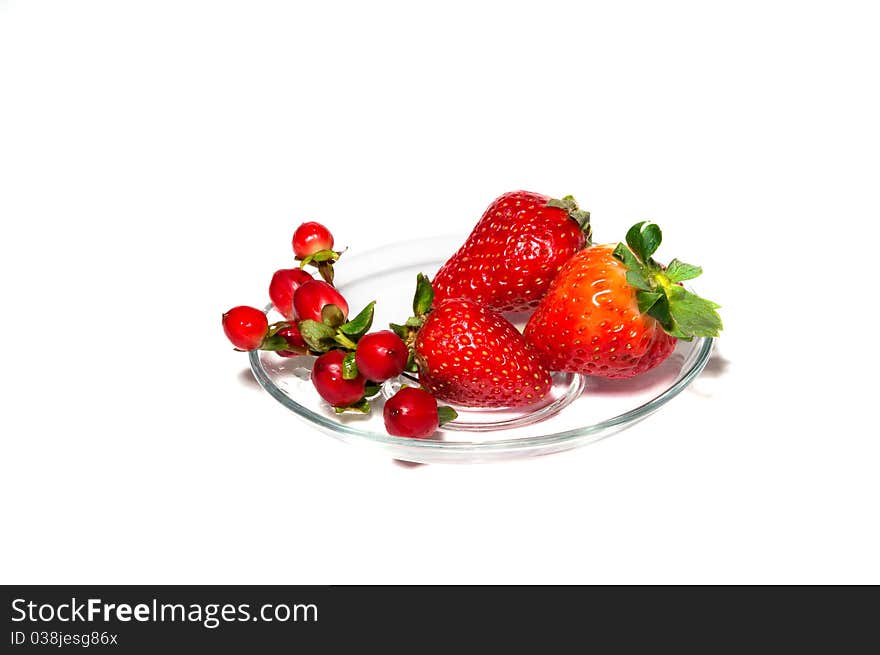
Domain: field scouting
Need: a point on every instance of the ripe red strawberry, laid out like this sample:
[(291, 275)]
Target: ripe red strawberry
[(615, 312), (471, 356), (515, 251)]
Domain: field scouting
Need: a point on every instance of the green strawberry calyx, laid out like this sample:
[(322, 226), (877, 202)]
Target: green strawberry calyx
[(578, 215), (681, 313), (423, 301)]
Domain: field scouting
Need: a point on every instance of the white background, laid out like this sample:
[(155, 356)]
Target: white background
[(157, 156)]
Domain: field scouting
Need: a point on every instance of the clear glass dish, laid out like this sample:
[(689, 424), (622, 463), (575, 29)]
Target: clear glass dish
[(579, 410)]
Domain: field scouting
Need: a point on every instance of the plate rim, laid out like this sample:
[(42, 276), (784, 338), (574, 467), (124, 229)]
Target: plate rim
[(705, 345)]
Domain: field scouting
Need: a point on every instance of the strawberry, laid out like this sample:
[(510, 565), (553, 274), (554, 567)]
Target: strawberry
[(614, 312), (469, 355), (515, 250)]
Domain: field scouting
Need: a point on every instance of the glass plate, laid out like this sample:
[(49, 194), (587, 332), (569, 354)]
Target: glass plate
[(578, 411)]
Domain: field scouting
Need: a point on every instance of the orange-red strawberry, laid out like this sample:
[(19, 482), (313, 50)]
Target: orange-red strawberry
[(514, 252), (614, 312), (471, 356)]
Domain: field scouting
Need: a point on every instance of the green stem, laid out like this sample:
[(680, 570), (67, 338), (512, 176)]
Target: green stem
[(344, 341)]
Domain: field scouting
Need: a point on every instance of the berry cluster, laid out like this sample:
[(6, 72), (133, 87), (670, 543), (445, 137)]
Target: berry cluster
[(351, 362), (605, 310)]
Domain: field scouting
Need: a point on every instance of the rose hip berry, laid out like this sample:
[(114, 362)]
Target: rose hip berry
[(294, 339), (282, 287), (328, 380), (312, 297), (245, 327), (412, 413), (381, 355), (310, 238)]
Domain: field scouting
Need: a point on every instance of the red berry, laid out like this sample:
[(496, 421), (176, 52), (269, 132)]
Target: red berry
[(294, 339), (381, 355), (245, 327), (310, 238), (312, 297), (282, 287), (328, 380), (411, 412)]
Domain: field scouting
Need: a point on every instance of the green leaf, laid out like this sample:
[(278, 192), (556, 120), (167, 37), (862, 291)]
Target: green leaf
[(446, 414), (274, 342), (399, 330), (634, 239), (660, 311), (320, 256), (316, 329), (344, 341), (644, 238), (635, 279), (624, 254), (651, 238), (564, 203), (412, 365), (349, 368), (674, 331), (582, 217), (318, 336), (274, 328), (647, 299), (424, 297), (692, 315), (371, 389), (360, 324), (360, 407), (332, 316), (325, 256), (568, 203), (678, 271), (414, 322)]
